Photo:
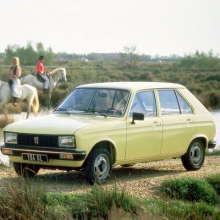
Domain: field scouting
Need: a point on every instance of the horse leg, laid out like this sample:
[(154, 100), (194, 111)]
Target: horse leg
[(28, 110), (48, 97), (4, 109), (29, 102)]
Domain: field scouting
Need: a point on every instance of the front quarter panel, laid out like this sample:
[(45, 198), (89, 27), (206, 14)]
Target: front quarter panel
[(113, 132)]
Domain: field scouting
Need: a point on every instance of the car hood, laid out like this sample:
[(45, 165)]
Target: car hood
[(54, 124)]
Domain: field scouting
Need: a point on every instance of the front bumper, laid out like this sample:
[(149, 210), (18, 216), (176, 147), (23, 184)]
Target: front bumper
[(212, 144), (52, 153)]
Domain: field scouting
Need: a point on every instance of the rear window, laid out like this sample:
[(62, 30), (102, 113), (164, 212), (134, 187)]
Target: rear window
[(172, 103)]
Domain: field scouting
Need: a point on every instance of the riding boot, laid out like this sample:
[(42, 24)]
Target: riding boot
[(45, 91), (15, 101)]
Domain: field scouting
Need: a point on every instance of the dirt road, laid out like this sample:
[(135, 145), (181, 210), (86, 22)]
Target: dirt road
[(141, 180)]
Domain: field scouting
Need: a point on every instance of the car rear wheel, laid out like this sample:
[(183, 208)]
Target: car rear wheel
[(26, 170), (195, 156), (98, 166)]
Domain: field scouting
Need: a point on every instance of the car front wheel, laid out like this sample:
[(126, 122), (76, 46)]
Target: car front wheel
[(26, 170), (98, 166), (194, 158)]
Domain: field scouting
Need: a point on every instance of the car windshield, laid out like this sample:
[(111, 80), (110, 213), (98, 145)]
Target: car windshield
[(106, 102)]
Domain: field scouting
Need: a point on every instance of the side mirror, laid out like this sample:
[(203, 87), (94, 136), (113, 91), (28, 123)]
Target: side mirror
[(137, 116)]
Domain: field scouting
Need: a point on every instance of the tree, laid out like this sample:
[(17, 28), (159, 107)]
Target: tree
[(28, 55), (200, 60), (130, 55), (10, 52)]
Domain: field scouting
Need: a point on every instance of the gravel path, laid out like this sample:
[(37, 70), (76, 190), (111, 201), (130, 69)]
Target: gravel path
[(141, 180)]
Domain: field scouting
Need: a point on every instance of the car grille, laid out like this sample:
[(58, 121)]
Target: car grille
[(37, 140)]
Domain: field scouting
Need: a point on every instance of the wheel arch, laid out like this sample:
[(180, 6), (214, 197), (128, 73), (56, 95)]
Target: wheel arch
[(201, 138), (106, 145)]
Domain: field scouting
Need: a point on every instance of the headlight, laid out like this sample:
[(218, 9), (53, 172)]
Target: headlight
[(11, 138), (67, 141)]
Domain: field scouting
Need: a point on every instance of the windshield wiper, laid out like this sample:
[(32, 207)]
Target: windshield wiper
[(94, 111), (63, 110)]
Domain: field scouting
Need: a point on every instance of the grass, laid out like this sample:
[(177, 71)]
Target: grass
[(213, 152), (27, 199)]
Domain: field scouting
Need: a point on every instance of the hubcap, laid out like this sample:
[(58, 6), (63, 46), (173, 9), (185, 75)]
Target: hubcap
[(101, 167), (196, 154)]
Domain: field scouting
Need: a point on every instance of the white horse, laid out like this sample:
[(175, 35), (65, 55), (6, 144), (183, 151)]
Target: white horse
[(29, 93), (54, 77)]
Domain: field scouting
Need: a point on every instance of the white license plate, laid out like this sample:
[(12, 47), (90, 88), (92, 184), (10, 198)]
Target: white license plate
[(35, 157)]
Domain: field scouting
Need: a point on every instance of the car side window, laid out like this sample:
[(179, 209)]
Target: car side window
[(168, 102), (184, 106), (144, 102)]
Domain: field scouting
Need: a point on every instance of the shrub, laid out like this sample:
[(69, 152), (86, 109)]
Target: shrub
[(20, 200), (99, 202), (176, 209), (214, 180), (190, 189)]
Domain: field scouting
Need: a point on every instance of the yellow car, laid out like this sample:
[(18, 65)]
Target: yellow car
[(98, 126)]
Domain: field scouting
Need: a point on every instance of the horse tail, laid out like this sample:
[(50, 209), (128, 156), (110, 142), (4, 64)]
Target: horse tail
[(35, 103)]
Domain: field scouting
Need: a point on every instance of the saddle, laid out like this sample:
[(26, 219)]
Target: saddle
[(40, 79)]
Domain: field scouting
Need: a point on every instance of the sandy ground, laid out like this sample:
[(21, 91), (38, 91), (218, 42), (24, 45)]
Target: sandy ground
[(141, 180)]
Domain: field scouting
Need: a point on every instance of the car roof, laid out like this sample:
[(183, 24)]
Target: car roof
[(133, 85)]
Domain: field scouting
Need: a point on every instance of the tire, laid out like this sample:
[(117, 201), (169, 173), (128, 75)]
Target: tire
[(26, 170), (195, 156), (98, 166)]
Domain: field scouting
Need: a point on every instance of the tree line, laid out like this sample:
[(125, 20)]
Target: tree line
[(29, 55), (199, 72)]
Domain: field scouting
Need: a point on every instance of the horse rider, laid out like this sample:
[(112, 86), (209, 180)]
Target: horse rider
[(42, 73), (14, 81)]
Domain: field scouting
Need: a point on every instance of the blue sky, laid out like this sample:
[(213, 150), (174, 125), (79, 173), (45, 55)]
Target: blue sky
[(155, 27)]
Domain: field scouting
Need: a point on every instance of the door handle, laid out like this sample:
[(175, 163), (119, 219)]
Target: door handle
[(156, 123), (189, 121)]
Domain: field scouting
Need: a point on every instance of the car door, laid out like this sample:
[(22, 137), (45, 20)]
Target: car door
[(144, 137), (178, 122)]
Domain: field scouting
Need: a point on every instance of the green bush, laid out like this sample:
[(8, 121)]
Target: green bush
[(176, 209), (214, 180), (191, 189), (99, 202)]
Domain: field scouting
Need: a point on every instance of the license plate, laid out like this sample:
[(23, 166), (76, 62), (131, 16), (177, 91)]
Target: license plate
[(35, 157)]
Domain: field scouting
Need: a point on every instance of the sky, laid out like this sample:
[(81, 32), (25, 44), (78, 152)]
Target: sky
[(154, 27)]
